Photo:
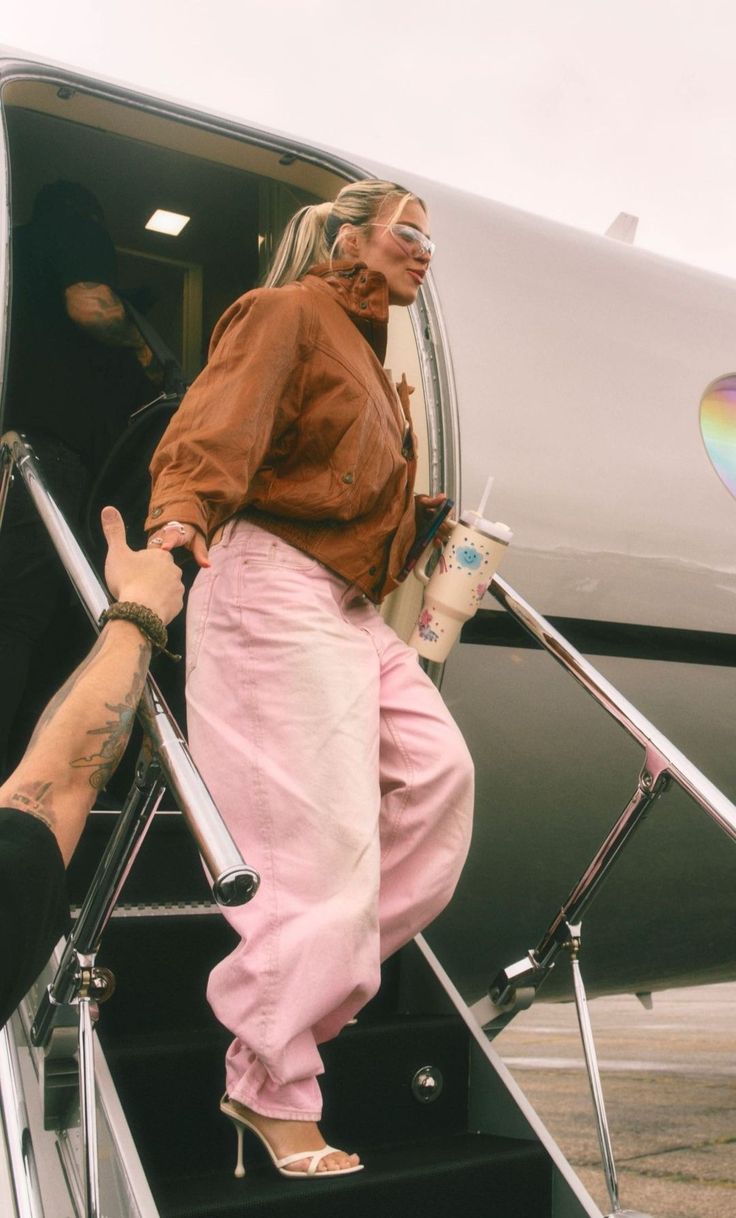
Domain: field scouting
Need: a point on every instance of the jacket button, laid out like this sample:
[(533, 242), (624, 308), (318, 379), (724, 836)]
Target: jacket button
[(348, 478), (363, 304), (157, 512)]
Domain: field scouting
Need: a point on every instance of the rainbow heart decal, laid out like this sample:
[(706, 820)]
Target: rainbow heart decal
[(718, 428)]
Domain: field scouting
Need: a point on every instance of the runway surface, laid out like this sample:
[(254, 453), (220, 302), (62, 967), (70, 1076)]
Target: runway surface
[(669, 1082)]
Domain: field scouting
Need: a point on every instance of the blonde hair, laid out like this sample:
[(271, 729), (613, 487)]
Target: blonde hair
[(312, 235)]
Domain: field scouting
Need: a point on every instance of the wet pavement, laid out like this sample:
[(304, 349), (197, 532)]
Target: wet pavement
[(669, 1082)]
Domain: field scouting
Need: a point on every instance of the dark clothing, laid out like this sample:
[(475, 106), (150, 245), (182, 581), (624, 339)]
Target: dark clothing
[(61, 381), (72, 397), (33, 587), (34, 912)]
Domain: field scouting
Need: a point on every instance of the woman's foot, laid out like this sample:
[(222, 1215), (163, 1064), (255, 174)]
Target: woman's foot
[(289, 1137)]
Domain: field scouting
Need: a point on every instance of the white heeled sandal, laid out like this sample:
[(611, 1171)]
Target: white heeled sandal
[(282, 1165)]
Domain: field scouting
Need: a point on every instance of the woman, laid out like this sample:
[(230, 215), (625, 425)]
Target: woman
[(330, 754)]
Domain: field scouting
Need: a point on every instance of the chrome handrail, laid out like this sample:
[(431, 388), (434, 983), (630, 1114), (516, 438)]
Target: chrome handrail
[(233, 881), (678, 766), (515, 986)]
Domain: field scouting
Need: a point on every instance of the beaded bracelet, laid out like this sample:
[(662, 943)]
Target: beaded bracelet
[(148, 622)]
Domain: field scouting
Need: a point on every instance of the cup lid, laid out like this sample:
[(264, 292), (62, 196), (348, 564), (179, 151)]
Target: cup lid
[(489, 528)]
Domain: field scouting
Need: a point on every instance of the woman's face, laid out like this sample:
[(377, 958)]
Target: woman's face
[(387, 249)]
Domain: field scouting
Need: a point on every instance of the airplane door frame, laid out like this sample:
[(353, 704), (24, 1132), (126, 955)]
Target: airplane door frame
[(5, 231), (192, 286)]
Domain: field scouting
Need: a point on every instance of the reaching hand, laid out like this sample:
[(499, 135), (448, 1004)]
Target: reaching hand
[(169, 536), (144, 576)]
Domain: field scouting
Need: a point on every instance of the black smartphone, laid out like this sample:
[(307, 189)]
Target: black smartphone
[(423, 539)]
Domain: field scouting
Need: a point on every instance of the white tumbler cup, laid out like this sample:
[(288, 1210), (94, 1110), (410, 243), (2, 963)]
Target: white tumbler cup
[(458, 583)]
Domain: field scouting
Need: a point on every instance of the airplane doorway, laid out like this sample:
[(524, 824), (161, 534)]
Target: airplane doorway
[(238, 187)]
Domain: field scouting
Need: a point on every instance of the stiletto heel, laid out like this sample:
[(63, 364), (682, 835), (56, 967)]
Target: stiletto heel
[(239, 1166), (241, 1122)]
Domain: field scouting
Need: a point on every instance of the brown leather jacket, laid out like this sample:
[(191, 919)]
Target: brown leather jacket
[(294, 424)]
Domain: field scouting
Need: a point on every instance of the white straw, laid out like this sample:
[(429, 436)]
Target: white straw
[(484, 497)]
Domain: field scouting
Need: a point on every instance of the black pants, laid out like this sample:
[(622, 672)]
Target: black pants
[(34, 589)]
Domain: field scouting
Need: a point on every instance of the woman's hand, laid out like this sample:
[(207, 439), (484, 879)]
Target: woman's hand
[(426, 506), (170, 536)]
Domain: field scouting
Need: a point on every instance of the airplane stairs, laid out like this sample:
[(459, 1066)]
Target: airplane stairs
[(467, 1140)]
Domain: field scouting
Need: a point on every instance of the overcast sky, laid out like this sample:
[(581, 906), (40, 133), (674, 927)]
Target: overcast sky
[(575, 109)]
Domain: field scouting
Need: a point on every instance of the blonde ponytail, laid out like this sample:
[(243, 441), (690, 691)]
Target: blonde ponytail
[(302, 244), (312, 235)]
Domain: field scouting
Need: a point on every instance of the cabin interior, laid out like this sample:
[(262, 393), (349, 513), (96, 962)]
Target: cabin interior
[(237, 197), (238, 192)]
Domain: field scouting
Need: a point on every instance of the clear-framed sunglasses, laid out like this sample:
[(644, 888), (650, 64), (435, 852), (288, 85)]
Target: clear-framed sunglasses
[(410, 239)]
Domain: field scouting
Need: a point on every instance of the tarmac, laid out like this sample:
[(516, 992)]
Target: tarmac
[(669, 1084)]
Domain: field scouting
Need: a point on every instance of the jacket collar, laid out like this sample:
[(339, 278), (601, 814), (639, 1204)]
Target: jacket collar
[(363, 294)]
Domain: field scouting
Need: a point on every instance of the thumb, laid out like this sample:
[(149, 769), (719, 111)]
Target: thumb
[(113, 526)]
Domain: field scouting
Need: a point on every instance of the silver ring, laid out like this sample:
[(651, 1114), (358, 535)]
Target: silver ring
[(157, 541), (176, 524)]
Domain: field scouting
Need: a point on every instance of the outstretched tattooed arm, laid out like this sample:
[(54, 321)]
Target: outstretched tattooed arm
[(82, 734)]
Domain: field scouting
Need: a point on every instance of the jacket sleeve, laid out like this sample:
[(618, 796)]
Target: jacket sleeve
[(247, 395)]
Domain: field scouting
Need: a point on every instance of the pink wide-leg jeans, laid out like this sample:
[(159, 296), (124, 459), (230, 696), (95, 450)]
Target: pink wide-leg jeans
[(343, 780)]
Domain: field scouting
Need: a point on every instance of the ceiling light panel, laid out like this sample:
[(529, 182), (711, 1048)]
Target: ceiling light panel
[(169, 222)]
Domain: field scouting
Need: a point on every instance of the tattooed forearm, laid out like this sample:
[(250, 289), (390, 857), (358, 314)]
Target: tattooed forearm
[(116, 731), (101, 313), (60, 698), (35, 799)]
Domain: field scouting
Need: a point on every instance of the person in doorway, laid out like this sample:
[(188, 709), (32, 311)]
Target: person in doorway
[(77, 744), (78, 367), (288, 472)]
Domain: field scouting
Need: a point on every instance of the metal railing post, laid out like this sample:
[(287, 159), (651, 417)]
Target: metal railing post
[(88, 1103), (24, 1177)]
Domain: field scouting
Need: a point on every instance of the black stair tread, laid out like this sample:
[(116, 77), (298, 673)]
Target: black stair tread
[(156, 1044), (507, 1177), (367, 1066), (172, 1041), (165, 1050), (167, 868), (162, 963)]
